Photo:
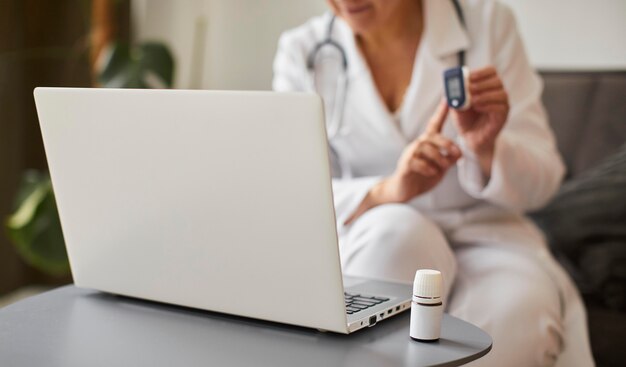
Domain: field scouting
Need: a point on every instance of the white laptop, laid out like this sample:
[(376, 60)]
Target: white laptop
[(214, 200)]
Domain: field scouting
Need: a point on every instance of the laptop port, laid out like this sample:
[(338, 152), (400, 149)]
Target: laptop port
[(397, 308), (372, 321), (389, 311)]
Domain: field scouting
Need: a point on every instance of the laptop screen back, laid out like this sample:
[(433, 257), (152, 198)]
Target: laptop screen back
[(215, 200)]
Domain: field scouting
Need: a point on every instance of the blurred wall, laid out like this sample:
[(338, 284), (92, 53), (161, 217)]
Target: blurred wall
[(573, 34), (236, 39)]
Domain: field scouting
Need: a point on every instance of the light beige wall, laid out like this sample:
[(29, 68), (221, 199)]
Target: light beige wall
[(573, 34), (236, 39)]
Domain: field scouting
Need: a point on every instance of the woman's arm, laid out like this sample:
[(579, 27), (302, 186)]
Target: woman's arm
[(526, 169), (421, 167)]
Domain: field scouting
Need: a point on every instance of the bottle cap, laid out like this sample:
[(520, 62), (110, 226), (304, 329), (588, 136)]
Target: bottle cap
[(428, 284)]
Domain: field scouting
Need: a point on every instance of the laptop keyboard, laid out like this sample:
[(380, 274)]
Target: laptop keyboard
[(360, 302)]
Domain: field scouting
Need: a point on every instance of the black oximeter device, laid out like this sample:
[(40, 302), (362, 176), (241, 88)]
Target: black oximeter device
[(456, 82)]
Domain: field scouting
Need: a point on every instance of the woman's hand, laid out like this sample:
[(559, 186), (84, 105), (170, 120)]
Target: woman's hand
[(482, 122), (420, 168), (423, 163)]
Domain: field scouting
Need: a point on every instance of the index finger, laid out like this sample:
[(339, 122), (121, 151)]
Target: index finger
[(436, 122), (485, 72)]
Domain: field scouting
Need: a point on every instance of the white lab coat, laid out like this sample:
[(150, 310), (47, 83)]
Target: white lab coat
[(375, 140), (470, 210)]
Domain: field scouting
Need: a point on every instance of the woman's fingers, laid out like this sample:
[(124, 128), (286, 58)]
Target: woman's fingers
[(495, 96), (434, 156), (483, 73), (423, 167), (486, 87), (436, 122), (492, 107), (492, 83), (446, 146)]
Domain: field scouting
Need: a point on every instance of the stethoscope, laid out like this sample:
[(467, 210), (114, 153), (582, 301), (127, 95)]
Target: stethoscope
[(341, 86), (335, 125)]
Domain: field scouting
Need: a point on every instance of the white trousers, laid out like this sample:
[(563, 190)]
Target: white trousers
[(529, 306)]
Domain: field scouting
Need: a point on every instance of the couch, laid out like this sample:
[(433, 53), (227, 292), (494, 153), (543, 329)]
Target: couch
[(585, 223)]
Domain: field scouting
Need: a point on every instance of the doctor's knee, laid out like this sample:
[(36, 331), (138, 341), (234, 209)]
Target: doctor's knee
[(398, 239)]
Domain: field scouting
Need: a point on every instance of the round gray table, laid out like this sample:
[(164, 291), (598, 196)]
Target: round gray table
[(75, 327)]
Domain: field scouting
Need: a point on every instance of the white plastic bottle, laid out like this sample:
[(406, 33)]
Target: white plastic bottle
[(426, 306)]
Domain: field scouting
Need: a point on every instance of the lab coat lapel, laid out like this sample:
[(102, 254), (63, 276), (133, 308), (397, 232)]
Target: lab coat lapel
[(444, 36), (363, 93), (444, 29)]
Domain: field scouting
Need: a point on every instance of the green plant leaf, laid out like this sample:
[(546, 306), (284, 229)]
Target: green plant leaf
[(35, 228), (156, 57), (148, 65), (28, 208)]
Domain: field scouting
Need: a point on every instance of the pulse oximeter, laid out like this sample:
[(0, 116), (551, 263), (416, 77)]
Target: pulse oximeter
[(456, 82)]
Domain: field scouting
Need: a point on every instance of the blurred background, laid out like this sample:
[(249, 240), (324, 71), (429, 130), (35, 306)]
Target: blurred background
[(229, 44)]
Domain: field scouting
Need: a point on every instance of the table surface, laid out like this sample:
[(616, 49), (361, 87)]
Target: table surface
[(70, 327)]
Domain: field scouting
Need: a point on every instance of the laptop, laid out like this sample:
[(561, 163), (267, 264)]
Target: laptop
[(214, 200)]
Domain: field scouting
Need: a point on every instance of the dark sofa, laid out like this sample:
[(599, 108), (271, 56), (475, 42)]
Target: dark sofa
[(586, 222)]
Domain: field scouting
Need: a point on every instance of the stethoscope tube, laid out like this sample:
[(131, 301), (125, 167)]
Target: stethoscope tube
[(310, 63), (334, 127), (341, 89)]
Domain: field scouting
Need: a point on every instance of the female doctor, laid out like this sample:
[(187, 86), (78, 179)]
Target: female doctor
[(419, 186)]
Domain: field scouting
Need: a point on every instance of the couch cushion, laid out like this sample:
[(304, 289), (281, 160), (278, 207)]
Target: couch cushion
[(588, 114), (585, 228)]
